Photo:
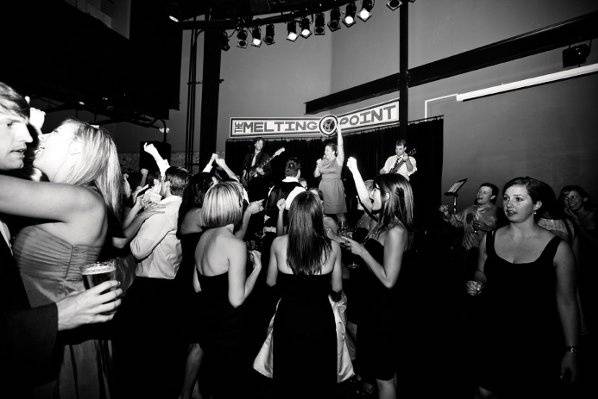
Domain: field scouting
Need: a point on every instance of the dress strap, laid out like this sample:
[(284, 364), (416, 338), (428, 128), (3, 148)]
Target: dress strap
[(490, 243), (550, 249)]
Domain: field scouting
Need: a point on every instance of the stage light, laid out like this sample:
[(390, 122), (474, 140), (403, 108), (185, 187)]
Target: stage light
[(269, 38), (320, 24), (366, 10), (576, 55), (242, 38), (292, 31), (305, 27), (224, 46), (393, 4), (256, 35), (173, 18), (335, 19), (349, 19)]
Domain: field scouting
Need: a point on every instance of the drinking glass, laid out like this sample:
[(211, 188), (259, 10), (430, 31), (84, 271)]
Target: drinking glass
[(98, 272)]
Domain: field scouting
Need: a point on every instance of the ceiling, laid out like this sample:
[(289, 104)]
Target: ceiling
[(233, 9)]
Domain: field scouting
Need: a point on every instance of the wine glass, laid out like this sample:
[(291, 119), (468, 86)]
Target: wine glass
[(351, 262)]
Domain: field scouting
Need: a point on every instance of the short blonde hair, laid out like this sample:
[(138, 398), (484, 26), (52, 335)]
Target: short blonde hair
[(222, 205)]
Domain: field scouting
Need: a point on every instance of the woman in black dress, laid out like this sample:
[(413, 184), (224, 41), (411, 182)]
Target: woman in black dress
[(305, 266), (529, 323), (220, 273), (382, 256)]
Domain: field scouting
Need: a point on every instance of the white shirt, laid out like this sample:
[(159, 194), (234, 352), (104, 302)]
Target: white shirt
[(156, 245), (390, 163)]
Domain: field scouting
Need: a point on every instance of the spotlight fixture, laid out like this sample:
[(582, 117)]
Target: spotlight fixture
[(320, 24), (305, 27), (173, 18), (269, 38), (576, 55), (335, 19), (224, 46), (256, 35), (366, 10), (292, 31), (242, 38), (349, 19), (393, 4)]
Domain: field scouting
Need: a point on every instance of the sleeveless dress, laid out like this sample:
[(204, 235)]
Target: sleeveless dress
[(50, 270), (521, 341), (304, 338), (189, 300), (332, 187), (223, 337), (377, 321)]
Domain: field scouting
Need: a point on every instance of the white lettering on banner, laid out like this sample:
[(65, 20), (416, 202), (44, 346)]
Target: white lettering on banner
[(366, 118)]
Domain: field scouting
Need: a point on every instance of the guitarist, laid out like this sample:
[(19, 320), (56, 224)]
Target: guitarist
[(401, 163), (254, 161)]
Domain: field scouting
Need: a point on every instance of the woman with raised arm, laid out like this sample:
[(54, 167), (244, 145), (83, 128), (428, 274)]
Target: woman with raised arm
[(220, 262), (305, 265), (382, 257), (72, 214), (329, 167), (529, 323)]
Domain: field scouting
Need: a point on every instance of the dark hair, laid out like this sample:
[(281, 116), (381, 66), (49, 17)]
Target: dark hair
[(402, 142), (331, 145), (178, 178), (307, 237), (12, 102), (292, 167), (586, 204), (493, 188), (536, 189), (398, 208), (193, 195)]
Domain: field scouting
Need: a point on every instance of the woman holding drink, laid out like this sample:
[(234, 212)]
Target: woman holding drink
[(381, 259), (72, 223), (529, 323), (220, 263)]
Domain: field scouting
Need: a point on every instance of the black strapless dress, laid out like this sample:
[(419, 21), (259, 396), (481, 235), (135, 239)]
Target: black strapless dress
[(223, 337), (304, 338)]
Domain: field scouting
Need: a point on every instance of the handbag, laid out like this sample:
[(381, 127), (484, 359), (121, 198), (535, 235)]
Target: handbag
[(264, 363)]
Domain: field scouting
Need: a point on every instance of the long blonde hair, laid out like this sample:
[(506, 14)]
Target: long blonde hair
[(97, 164)]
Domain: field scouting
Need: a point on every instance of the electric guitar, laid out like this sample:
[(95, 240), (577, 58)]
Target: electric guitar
[(400, 162), (252, 173)]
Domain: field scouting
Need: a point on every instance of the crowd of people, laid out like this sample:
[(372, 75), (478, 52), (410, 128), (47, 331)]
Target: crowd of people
[(190, 313)]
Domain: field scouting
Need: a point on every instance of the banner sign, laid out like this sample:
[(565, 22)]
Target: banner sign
[(367, 118)]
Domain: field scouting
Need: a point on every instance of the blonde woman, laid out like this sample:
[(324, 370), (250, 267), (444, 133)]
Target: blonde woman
[(71, 214), (220, 262)]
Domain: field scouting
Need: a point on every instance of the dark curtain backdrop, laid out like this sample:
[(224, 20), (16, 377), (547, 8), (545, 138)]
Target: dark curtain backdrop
[(370, 148)]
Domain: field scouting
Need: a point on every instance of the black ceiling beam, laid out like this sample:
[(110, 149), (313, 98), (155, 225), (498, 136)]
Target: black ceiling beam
[(574, 30), (233, 23)]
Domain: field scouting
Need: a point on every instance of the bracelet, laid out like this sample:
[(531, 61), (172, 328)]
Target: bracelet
[(571, 349)]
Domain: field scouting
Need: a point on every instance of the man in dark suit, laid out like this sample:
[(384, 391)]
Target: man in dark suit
[(28, 336)]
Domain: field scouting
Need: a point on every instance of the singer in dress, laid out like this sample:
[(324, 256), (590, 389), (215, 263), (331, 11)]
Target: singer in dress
[(329, 167)]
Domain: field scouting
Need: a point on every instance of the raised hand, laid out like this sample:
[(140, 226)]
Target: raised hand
[(150, 149), (352, 164), (255, 207), (281, 204), (95, 305)]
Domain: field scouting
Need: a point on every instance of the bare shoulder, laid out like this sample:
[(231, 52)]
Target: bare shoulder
[(280, 242)]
